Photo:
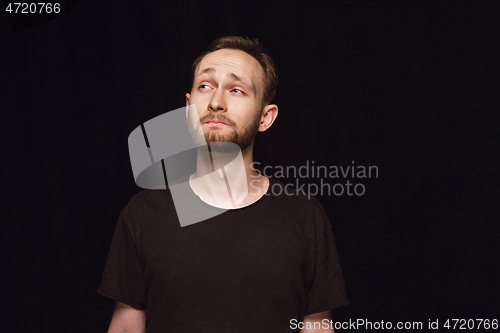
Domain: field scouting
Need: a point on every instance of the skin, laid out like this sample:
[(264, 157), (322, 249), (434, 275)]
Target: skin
[(317, 318), (127, 319), (217, 94)]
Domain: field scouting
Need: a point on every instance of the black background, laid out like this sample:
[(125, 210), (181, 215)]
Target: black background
[(408, 86)]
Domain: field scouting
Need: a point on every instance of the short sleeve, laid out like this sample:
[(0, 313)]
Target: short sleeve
[(122, 279), (327, 290)]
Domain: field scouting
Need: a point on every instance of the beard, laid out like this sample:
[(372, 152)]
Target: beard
[(215, 139), (243, 138)]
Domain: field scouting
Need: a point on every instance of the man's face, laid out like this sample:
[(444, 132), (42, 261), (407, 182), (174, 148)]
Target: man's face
[(227, 92)]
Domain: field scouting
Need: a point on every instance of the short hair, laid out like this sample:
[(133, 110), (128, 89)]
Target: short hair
[(254, 48)]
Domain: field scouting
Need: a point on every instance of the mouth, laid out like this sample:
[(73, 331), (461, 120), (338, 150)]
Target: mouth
[(214, 122)]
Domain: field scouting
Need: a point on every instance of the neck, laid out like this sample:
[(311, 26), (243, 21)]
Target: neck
[(226, 179)]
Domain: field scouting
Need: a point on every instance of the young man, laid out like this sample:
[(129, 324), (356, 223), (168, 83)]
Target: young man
[(268, 263)]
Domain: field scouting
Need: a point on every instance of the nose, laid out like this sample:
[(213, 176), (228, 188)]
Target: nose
[(217, 102)]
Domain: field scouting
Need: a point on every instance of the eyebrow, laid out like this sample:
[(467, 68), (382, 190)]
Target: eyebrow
[(235, 77)]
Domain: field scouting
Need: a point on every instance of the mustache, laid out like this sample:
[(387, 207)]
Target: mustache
[(218, 117)]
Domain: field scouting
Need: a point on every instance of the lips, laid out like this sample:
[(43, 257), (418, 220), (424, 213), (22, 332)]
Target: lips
[(215, 122)]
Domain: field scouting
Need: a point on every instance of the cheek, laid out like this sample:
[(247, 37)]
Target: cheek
[(201, 102), (247, 108), (249, 120), (201, 96)]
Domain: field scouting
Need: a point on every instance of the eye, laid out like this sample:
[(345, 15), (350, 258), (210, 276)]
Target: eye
[(202, 86), (238, 91)]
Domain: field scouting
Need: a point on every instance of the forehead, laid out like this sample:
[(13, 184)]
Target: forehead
[(233, 61)]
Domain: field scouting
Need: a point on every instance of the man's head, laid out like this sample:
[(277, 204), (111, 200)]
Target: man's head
[(233, 84)]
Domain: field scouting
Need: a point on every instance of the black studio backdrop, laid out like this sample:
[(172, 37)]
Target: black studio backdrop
[(408, 86)]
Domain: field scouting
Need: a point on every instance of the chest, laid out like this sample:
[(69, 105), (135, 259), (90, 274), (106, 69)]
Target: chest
[(250, 255)]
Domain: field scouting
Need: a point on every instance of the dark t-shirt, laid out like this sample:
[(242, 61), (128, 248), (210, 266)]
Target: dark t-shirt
[(251, 269)]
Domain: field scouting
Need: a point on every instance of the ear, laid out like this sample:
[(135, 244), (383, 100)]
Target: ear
[(187, 103), (269, 114)]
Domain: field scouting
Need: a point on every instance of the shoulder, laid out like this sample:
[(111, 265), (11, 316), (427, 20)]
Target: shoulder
[(146, 198), (147, 205), (296, 206)]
